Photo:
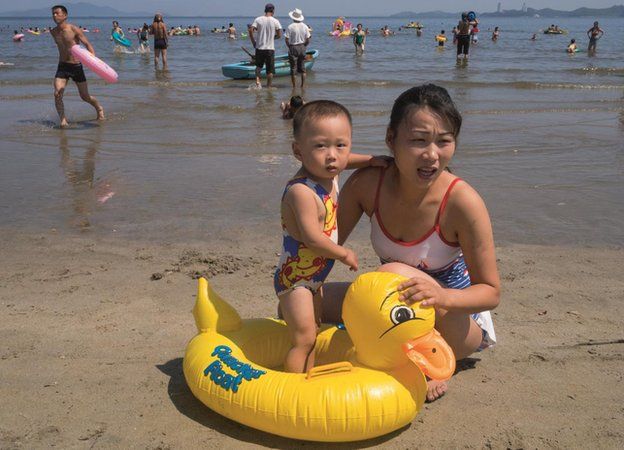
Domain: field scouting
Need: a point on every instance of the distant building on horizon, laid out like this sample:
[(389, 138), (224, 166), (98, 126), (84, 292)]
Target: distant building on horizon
[(498, 10), (524, 7)]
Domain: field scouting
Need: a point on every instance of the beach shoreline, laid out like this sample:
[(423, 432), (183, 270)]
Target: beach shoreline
[(94, 331)]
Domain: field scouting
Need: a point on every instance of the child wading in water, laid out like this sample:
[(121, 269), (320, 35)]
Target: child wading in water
[(65, 36), (322, 142), (428, 224), (290, 109)]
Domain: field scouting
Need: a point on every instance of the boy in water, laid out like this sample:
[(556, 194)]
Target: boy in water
[(322, 142), (231, 31), (441, 38), (66, 35), (572, 46), (289, 109)]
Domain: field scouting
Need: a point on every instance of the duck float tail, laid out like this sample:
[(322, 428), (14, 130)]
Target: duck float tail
[(211, 312)]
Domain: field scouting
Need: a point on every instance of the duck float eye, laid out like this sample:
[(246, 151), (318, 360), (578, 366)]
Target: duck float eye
[(400, 314)]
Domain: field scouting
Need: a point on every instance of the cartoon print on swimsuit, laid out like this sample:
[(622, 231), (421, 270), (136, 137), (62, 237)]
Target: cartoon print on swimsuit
[(302, 264)]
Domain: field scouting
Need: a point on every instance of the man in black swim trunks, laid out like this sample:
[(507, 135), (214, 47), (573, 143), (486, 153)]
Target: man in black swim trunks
[(159, 30), (66, 35), (463, 36), (266, 28)]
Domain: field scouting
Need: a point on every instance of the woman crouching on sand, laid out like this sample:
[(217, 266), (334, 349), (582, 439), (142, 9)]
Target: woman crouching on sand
[(426, 224)]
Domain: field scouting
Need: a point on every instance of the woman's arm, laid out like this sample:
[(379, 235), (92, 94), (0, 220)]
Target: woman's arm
[(360, 185), (468, 217), (474, 233)]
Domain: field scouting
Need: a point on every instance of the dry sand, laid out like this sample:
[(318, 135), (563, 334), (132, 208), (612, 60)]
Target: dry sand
[(91, 348)]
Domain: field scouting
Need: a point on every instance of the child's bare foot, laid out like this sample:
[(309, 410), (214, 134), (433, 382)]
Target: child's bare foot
[(435, 390), (100, 113)]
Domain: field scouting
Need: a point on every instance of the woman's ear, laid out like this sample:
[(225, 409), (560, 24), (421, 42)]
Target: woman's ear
[(389, 137), (296, 150)]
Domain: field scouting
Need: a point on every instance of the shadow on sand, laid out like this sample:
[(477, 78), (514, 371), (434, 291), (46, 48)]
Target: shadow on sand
[(184, 401)]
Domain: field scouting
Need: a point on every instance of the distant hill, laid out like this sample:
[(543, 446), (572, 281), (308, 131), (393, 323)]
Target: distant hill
[(81, 9), (614, 11), (423, 15)]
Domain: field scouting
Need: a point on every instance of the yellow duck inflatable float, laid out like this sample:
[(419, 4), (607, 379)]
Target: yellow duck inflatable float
[(370, 379)]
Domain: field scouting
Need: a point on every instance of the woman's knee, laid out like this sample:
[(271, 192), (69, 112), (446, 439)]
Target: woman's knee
[(58, 93), (460, 332), (401, 269)]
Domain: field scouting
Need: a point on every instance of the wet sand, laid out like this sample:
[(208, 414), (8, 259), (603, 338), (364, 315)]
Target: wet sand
[(94, 330)]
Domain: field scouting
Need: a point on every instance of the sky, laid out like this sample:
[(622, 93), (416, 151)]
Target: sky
[(311, 7)]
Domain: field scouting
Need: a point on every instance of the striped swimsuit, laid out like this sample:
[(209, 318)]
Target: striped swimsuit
[(433, 254)]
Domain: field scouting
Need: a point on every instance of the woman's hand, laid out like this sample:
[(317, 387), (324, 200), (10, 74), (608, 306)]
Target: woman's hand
[(423, 288)]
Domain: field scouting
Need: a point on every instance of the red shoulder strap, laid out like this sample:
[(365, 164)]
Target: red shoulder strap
[(445, 200), (381, 177)]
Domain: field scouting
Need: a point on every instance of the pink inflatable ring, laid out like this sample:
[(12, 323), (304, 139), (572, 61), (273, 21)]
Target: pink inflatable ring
[(94, 63)]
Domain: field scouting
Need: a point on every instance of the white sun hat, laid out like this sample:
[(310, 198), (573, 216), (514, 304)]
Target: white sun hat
[(296, 15)]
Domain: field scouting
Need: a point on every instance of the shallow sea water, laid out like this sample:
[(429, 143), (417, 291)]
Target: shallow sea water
[(189, 154)]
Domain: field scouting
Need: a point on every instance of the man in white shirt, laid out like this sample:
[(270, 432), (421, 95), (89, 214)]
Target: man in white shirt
[(268, 28), (297, 39)]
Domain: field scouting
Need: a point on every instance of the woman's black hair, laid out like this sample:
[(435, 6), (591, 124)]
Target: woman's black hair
[(431, 96)]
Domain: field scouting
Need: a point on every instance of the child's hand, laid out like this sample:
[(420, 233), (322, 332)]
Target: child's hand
[(350, 259), (423, 288), (380, 161)]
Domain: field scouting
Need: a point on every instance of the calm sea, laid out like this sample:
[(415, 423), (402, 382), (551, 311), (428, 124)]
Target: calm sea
[(189, 154)]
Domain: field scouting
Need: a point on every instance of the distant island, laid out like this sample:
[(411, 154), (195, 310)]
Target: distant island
[(80, 9), (613, 11), (83, 9)]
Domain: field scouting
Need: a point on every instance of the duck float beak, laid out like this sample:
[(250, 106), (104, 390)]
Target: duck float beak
[(432, 355)]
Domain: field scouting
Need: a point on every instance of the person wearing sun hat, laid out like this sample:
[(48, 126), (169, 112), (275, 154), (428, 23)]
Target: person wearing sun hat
[(268, 28), (297, 38)]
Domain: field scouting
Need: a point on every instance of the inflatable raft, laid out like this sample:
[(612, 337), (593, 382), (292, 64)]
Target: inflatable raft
[(245, 70), (368, 380), (121, 40)]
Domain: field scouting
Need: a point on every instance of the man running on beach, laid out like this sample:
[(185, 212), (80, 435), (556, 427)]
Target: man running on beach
[(268, 28), (66, 35)]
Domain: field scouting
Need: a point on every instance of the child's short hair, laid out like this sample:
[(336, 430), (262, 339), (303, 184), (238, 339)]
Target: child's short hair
[(318, 109), (61, 7), (296, 101)]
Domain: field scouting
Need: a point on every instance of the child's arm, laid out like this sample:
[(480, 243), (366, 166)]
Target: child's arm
[(358, 161), (474, 233), (303, 205)]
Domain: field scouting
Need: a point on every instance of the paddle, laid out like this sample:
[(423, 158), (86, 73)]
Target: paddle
[(251, 55)]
